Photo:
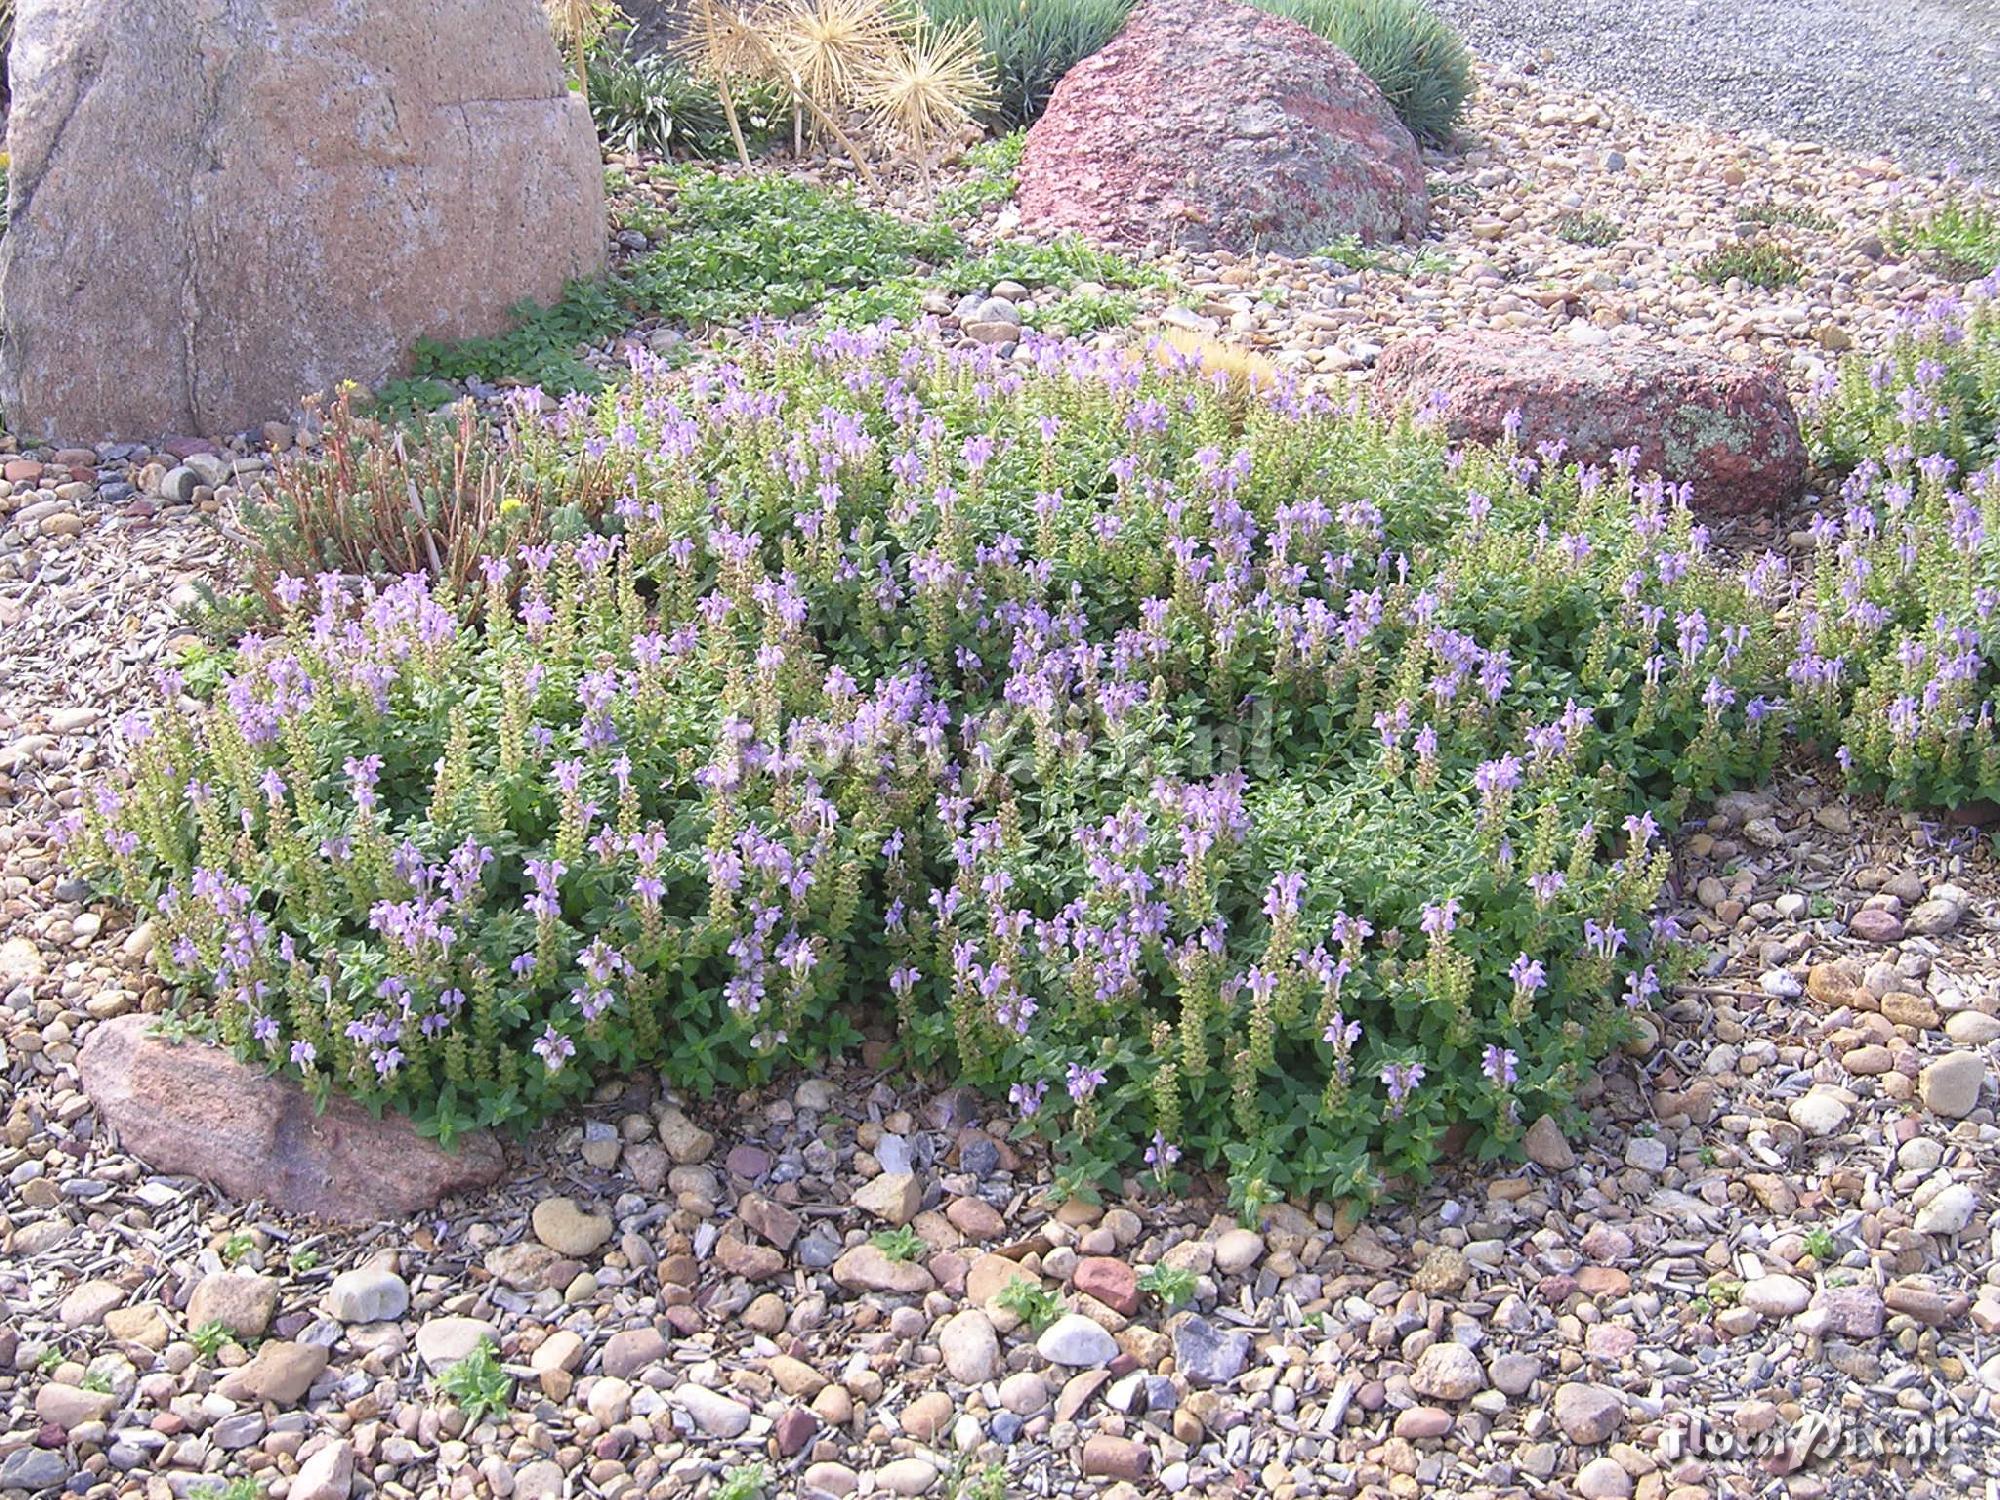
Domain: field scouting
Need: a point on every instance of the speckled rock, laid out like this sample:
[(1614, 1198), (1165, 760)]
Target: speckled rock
[(192, 1108), (1210, 124), (1727, 429), (270, 226)]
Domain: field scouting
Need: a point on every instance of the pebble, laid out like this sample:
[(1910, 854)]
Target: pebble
[(243, 1305), (1237, 1250), (1818, 1112), (1854, 1312), (369, 1294), (442, 1342), (1603, 1478), (1588, 1413), (280, 1372), (1077, 1343), (1514, 1374), (626, 1354), (1206, 1355), (1110, 1281), (1024, 1393), (1110, 1457), (907, 1476), (868, 1269), (1546, 1146), (715, 1414), (568, 1229), (1447, 1372), (33, 1469), (1949, 1212), (325, 1474), (970, 1347), (1873, 925), (893, 1197), (1776, 1296), (1950, 1086), (1648, 1154)]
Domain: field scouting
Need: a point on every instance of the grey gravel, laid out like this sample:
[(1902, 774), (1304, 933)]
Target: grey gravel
[(1918, 80)]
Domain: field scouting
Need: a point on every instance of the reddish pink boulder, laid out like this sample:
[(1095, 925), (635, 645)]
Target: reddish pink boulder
[(188, 1108), (1727, 429), (1212, 125)]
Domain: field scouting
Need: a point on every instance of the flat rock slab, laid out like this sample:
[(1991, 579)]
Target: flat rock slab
[(188, 1108), (1212, 125), (1727, 429)]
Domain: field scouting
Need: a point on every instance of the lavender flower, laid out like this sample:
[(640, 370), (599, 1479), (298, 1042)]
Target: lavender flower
[(1401, 1080), (1027, 1099), (1081, 1081), (554, 1049)]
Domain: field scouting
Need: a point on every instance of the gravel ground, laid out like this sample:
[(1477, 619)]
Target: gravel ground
[(1769, 1262), (1918, 80)]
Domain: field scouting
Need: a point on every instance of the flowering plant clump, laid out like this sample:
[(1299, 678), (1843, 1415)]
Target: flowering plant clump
[(1934, 391), (1230, 778)]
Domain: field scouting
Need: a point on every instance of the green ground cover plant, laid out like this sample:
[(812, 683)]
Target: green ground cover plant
[(1933, 392), (730, 248), (1233, 780), (1764, 264), (1963, 234), (1594, 229), (989, 177)]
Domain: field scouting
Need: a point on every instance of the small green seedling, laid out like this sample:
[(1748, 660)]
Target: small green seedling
[(1031, 1302), (744, 1482), (987, 1482), (900, 1243), (477, 1383), (209, 1338), (1173, 1285)]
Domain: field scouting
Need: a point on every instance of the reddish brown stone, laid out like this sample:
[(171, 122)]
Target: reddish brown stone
[(1209, 124), (751, 1262), (190, 1108), (1114, 1458), (773, 1221), (794, 1430), (1726, 429), (1110, 1281)]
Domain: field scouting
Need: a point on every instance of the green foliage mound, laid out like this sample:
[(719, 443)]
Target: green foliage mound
[(1231, 781), (730, 248), (1934, 392)]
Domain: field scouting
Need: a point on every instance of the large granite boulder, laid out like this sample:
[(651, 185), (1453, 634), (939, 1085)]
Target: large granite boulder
[(222, 205), (191, 1109), (1212, 125), (1727, 429)]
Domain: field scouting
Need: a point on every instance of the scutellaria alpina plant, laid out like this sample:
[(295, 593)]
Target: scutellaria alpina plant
[(1230, 779), (1934, 391)]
